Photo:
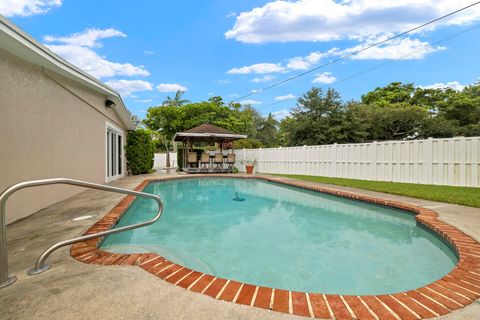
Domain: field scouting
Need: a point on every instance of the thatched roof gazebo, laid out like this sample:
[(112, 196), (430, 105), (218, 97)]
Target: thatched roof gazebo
[(206, 133)]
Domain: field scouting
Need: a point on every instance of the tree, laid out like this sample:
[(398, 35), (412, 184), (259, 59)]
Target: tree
[(176, 101), (267, 133), (136, 122), (317, 118), (164, 122), (285, 132), (462, 107), (395, 92), (168, 120)]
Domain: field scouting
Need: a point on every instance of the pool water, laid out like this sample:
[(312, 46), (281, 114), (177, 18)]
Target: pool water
[(285, 237)]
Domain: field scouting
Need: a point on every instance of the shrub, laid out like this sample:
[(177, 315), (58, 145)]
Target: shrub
[(249, 143), (140, 151)]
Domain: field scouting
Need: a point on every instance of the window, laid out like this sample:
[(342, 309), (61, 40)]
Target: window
[(114, 153)]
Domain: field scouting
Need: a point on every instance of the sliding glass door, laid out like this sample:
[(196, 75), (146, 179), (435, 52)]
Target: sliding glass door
[(114, 153)]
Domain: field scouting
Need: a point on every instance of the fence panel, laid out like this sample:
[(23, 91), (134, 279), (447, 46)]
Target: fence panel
[(160, 160), (452, 161)]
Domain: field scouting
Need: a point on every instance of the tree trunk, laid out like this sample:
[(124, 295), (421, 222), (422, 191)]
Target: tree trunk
[(168, 159)]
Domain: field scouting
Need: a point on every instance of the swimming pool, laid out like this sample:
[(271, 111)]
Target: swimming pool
[(285, 237)]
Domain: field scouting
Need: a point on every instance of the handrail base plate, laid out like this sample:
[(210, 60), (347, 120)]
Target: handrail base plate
[(34, 271), (9, 281)]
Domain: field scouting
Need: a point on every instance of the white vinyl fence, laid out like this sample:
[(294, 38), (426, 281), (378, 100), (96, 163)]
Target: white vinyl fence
[(160, 160), (453, 161)]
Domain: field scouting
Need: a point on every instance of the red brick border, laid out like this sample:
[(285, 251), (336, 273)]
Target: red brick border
[(454, 291)]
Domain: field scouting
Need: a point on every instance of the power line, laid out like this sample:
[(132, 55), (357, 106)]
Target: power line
[(377, 66), (346, 56), (443, 40)]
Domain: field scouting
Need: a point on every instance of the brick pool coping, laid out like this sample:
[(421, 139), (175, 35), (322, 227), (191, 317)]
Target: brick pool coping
[(455, 290)]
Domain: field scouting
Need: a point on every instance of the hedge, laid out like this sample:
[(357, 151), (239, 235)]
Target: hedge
[(140, 151)]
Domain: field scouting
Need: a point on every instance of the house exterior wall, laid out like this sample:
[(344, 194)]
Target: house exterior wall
[(50, 127)]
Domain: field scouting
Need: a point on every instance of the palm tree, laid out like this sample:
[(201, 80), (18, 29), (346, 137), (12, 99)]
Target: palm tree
[(177, 101)]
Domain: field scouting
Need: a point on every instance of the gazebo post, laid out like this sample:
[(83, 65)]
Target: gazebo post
[(221, 152), (185, 148)]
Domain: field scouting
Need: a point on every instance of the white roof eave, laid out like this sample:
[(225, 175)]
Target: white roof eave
[(19, 43)]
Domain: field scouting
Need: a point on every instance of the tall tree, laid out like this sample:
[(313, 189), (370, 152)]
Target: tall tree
[(395, 92), (268, 131), (317, 118), (176, 101), (136, 122)]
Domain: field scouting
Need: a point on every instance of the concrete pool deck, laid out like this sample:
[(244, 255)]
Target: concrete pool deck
[(74, 290)]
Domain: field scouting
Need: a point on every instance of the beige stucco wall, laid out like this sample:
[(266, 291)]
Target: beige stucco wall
[(50, 127)]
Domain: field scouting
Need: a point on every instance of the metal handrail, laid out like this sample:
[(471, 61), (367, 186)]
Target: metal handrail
[(40, 265)]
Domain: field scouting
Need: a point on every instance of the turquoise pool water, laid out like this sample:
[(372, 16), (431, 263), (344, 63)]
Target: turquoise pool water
[(285, 237)]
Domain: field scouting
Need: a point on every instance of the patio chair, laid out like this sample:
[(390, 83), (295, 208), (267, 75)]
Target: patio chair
[(230, 160), (218, 160), (192, 159), (205, 160)]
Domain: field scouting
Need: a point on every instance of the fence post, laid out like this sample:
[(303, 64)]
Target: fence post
[(260, 157), (334, 160), (429, 160), (304, 159), (374, 161), (462, 172)]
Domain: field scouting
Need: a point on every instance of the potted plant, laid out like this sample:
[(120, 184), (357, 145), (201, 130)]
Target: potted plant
[(249, 165)]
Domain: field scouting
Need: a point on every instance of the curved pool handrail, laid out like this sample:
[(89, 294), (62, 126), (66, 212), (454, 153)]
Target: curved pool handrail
[(40, 265)]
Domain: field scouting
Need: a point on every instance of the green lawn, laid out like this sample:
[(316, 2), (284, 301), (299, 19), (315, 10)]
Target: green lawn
[(457, 195)]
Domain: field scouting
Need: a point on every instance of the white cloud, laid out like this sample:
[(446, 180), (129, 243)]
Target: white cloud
[(171, 87), (296, 63), (88, 38), (148, 52), (211, 94), (24, 8), (260, 68), (304, 63), (127, 87), (281, 114), (285, 97), (397, 49), (144, 100), (325, 20), (324, 77), (455, 85), (77, 48), (263, 79), (99, 67), (249, 102), (231, 15)]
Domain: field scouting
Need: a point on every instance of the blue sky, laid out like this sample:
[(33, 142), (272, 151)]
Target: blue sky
[(149, 49)]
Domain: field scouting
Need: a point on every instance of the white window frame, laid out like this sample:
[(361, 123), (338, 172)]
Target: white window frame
[(111, 127)]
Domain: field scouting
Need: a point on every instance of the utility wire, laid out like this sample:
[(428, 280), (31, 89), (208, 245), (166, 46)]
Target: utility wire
[(443, 40), (346, 56), (377, 66)]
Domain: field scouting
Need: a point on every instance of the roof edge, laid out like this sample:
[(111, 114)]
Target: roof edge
[(78, 75)]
